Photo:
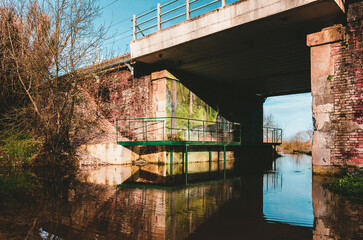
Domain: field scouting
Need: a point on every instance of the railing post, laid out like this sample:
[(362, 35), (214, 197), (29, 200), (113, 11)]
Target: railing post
[(188, 131), (203, 131), (171, 128), (159, 16), (274, 136), (229, 132), (186, 164), (129, 130), (223, 3), (224, 161), (188, 9), (146, 130), (134, 27), (217, 130), (171, 160), (210, 161)]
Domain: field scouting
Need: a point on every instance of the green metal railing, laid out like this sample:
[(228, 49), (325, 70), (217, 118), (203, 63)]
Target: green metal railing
[(176, 131), (182, 131), (272, 135)]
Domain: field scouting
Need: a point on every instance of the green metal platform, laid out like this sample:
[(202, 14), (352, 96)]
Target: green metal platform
[(174, 131), (176, 143), (169, 131)]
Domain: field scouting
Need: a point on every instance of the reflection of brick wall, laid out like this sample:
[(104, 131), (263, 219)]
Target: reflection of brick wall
[(119, 95), (336, 75), (334, 217)]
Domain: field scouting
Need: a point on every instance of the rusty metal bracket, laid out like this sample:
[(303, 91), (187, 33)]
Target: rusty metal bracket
[(131, 68)]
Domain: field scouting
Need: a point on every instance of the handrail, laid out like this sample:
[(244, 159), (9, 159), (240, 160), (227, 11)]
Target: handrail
[(144, 14), (167, 20), (188, 4), (171, 2), (176, 129), (186, 129), (156, 118), (272, 135), (172, 10), (205, 5)]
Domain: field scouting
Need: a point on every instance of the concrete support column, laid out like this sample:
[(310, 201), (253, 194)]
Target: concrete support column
[(253, 155), (336, 88), (250, 115), (322, 67)]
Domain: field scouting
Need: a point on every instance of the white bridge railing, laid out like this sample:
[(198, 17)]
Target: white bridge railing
[(172, 13)]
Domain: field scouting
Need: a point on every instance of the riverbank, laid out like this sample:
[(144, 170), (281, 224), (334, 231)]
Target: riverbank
[(17, 148), (295, 148)]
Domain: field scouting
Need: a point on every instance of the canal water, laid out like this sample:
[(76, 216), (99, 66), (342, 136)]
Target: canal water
[(131, 202)]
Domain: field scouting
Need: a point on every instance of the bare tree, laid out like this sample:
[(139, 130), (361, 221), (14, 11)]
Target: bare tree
[(44, 43), (270, 121)]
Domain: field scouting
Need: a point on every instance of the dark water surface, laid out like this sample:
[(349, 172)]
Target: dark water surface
[(284, 203)]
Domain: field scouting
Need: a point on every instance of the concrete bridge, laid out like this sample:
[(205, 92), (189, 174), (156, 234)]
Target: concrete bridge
[(235, 56)]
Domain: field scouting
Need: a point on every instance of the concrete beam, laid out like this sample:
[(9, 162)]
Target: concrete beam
[(227, 17)]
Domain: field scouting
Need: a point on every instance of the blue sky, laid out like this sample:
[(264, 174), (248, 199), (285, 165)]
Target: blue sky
[(117, 15), (292, 112)]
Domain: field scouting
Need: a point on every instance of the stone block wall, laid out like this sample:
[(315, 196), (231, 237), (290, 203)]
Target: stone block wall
[(336, 79), (116, 95), (120, 95)]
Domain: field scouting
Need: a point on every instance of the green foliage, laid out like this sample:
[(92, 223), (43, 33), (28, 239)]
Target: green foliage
[(16, 148), (330, 77), (349, 186), (182, 105)]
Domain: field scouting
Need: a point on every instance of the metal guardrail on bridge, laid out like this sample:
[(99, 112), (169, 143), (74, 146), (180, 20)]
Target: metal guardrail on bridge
[(171, 13)]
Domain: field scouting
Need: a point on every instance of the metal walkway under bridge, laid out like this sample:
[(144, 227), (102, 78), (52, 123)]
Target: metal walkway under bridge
[(176, 131), (166, 131)]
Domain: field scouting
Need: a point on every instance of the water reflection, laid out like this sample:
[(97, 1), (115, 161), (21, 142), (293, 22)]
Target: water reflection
[(335, 218), (287, 191), (103, 212), (158, 174), (278, 204)]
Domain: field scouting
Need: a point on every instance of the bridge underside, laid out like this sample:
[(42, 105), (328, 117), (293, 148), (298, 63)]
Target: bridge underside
[(235, 67), (267, 57)]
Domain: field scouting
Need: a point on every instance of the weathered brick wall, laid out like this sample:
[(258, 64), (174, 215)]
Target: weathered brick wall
[(347, 117), (336, 79), (119, 95)]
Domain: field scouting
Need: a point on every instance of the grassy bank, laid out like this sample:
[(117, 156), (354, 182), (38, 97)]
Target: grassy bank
[(349, 186), (295, 147), (17, 149)]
